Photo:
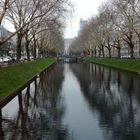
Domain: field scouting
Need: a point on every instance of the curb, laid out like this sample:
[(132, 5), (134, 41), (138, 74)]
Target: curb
[(7, 99)]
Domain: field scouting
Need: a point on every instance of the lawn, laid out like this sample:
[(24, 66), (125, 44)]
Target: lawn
[(14, 77), (124, 64)]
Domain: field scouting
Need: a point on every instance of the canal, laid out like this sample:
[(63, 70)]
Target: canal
[(75, 102)]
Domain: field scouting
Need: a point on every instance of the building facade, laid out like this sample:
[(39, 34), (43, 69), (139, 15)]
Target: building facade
[(68, 42), (7, 48), (82, 24)]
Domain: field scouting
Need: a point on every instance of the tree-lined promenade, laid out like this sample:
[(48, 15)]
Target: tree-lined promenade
[(114, 32), (38, 26), (38, 33), (122, 64), (14, 77)]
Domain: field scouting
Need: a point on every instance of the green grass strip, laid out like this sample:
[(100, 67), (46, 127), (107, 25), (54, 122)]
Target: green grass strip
[(123, 64), (13, 77)]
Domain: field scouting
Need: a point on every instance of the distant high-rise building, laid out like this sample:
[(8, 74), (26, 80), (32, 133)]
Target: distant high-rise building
[(82, 24)]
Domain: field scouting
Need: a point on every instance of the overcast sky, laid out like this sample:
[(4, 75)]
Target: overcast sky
[(83, 9)]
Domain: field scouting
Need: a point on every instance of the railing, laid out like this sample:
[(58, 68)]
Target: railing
[(67, 58)]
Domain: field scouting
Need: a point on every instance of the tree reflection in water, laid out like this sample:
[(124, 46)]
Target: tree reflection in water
[(114, 96), (41, 109)]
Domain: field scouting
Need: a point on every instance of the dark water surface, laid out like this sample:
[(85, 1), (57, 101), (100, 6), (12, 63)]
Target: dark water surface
[(75, 102)]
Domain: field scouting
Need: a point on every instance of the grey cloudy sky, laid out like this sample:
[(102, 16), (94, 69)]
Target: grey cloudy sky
[(83, 9)]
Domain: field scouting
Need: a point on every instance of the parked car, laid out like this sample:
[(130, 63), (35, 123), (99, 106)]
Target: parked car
[(1, 60), (137, 57), (31, 58), (6, 59), (126, 56)]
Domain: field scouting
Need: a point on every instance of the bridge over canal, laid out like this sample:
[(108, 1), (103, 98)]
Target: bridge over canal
[(67, 58)]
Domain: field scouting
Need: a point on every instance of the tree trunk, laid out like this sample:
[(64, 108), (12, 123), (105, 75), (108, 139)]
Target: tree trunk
[(95, 53), (139, 45), (109, 52), (119, 49), (99, 51), (27, 50), (109, 48), (34, 49), (131, 45), (92, 53), (34, 52), (27, 47), (18, 48), (119, 52), (132, 53), (102, 49)]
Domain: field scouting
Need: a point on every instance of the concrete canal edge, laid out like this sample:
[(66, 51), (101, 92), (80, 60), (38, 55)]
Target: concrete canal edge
[(7, 99), (112, 66)]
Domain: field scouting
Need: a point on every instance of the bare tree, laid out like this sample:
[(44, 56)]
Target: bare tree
[(4, 7), (27, 13), (125, 20), (51, 40), (116, 26)]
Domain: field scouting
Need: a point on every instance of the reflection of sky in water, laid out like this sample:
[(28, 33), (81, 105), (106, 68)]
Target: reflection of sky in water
[(80, 120), (85, 101), (11, 109)]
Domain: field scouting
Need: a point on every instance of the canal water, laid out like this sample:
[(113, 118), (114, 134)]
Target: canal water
[(75, 102)]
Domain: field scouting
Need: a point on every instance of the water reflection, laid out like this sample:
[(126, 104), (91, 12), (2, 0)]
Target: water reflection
[(40, 110), (75, 101), (115, 97)]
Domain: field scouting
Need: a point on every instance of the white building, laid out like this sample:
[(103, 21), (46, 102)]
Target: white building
[(3, 32), (68, 42), (9, 46)]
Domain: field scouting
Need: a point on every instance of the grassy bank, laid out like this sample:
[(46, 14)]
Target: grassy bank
[(123, 64), (13, 77)]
